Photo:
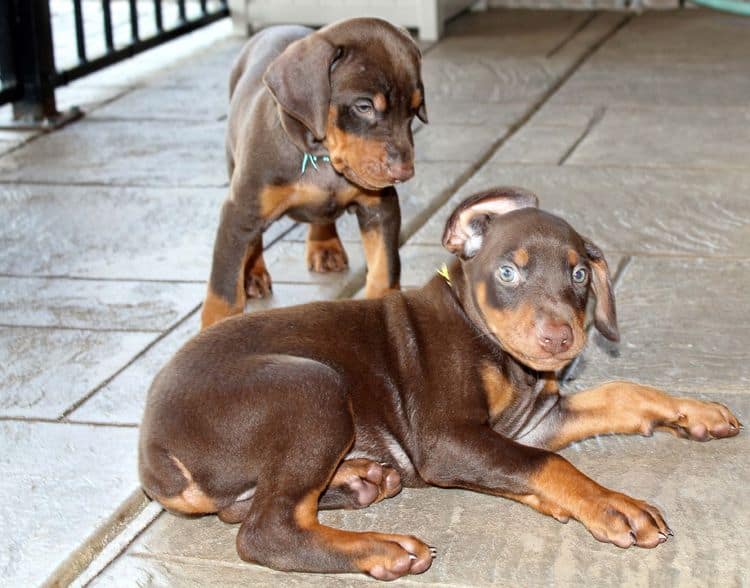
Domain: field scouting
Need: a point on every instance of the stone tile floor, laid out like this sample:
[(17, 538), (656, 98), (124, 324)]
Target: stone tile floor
[(636, 129)]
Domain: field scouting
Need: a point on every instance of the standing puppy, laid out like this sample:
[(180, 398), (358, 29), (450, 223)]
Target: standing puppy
[(266, 418), (319, 122)]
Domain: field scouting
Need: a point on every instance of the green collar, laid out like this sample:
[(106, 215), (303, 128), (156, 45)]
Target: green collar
[(312, 160)]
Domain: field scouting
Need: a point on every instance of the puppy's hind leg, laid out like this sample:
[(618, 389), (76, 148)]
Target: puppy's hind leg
[(281, 529)]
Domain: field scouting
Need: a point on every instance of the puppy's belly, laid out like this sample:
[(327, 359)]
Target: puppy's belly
[(325, 212)]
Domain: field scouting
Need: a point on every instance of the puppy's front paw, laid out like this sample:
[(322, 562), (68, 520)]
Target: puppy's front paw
[(625, 521), (327, 257), (703, 421)]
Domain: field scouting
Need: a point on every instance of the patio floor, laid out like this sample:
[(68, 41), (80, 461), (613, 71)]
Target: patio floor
[(634, 128)]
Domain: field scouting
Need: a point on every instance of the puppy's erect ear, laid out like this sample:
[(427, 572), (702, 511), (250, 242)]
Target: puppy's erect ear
[(464, 231), (299, 80), (605, 315)]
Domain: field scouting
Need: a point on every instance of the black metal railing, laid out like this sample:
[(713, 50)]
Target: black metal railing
[(104, 32)]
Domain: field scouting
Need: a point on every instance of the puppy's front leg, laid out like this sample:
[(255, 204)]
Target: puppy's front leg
[(379, 219), (625, 407), (237, 258), (477, 458)]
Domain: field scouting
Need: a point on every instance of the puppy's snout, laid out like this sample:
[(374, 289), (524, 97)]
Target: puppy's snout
[(401, 171), (400, 163), (554, 336)]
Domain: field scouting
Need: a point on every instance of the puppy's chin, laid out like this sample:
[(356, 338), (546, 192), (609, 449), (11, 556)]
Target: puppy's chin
[(541, 362), (366, 181)]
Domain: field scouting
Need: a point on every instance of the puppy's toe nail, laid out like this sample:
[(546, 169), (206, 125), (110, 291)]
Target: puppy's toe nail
[(412, 556), (670, 532), (662, 537)]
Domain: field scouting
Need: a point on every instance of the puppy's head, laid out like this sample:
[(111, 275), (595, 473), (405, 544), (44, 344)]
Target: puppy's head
[(354, 87), (530, 274)]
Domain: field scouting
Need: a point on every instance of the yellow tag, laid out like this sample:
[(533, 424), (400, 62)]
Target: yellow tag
[(443, 271)]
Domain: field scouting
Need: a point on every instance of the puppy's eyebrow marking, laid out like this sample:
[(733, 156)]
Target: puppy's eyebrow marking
[(572, 257), (379, 102), (521, 257)]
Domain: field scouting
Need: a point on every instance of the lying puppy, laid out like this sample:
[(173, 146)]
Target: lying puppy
[(266, 418), (319, 122)]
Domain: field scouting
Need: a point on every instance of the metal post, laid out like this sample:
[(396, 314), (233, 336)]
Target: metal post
[(35, 61), (9, 89)]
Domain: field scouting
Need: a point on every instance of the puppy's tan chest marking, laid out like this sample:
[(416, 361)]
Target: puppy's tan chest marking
[(305, 200), (498, 390)]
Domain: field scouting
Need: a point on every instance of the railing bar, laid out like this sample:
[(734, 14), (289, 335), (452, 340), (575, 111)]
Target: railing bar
[(134, 20), (80, 33), (107, 17), (204, 8), (8, 73), (158, 16), (181, 8), (10, 94), (93, 65)]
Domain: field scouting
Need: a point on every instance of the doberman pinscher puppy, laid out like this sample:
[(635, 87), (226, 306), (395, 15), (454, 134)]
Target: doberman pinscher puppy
[(319, 122), (267, 418)]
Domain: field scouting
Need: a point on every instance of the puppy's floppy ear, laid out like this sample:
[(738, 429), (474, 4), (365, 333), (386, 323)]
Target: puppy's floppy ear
[(299, 80), (605, 315), (464, 231), (422, 110)]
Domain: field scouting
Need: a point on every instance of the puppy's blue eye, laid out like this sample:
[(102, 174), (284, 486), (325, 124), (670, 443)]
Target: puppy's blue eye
[(363, 107), (580, 274), (507, 274)]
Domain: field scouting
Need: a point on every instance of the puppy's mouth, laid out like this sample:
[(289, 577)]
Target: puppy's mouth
[(540, 360), (551, 363)]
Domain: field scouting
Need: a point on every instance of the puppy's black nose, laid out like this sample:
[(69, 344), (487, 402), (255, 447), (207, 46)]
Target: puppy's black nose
[(554, 337)]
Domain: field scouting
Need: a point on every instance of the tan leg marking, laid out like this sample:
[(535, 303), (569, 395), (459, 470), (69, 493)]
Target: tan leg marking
[(383, 556), (625, 407), (378, 275), (324, 250), (215, 308), (192, 500), (562, 491)]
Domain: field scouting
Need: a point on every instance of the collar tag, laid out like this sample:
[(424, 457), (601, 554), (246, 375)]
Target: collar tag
[(443, 272), (310, 159)]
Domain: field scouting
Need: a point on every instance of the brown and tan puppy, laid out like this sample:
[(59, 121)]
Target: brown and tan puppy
[(267, 418), (319, 122)]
